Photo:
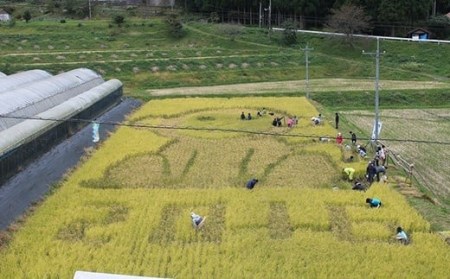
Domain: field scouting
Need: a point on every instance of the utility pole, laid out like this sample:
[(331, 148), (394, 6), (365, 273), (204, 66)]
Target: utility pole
[(377, 55), (307, 50), (90, 10), (433, 12), (270, 17), (260, 14)]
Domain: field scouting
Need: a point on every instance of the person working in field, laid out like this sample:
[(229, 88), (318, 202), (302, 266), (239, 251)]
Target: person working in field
[(373, 202), (261, 112), (339, 139), (358, 186), (349, 172), (274, 122), (290, 122), (316, 120), (354, 139), (402, 236), (277, 121), (350, 159), (336, 120), (242, 116), (380, 170), (362, 151), (197, 220), (371, 171), (251, 183)]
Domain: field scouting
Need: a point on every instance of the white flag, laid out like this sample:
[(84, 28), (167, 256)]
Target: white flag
[(95, 133), (379, 130)]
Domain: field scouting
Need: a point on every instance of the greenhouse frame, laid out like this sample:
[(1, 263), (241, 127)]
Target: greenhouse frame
[(42, 112)]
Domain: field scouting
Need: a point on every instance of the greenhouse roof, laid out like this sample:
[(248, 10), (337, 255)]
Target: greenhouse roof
[(24, 131), (17, 80), (36, 97)]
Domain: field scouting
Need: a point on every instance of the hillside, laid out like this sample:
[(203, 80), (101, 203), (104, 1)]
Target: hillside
[(144, 56)]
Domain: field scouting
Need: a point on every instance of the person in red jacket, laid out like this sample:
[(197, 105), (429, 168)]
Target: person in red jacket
[(339, 139)]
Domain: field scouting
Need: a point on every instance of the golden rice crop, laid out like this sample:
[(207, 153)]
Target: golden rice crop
[(292, 224)]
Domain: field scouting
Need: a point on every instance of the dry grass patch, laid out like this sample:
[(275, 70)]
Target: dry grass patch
[(419, 125), (317, 85)]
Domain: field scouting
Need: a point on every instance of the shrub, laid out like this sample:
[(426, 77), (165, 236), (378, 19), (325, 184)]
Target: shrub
[(289, 33), (119, 20), (175, 26), (27, 16), (231, 30)]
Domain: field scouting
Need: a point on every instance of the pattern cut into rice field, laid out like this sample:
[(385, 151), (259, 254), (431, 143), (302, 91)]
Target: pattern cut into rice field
[(127, 209)]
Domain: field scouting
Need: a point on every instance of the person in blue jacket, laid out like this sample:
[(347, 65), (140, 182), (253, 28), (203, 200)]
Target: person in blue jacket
[(374, 202), (251, 183)]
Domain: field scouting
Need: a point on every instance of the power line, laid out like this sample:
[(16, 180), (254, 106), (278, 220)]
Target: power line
[(214, 129)]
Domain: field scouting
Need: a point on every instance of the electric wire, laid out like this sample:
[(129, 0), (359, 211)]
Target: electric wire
[(216, 129)]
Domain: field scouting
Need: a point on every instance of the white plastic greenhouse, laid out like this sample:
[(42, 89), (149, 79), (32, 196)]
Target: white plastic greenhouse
[(17, 80), (36, 97), (77, 94)]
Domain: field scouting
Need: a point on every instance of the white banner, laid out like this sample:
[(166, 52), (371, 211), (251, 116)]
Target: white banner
[(379, 130)]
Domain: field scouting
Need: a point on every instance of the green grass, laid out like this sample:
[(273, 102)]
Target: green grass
[(143, 56)]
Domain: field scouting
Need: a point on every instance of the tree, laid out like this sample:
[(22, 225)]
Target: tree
[(439, 26), (78, 8), (119, 20), (27, 16), (175, 26), (289, 32), (349, 19), (403, 13)]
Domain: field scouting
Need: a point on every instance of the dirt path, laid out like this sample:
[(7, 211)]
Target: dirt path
[(28, 186), (316, 85)]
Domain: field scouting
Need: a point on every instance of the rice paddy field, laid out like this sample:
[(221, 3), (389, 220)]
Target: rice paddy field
[(127, 208), (428, 129)]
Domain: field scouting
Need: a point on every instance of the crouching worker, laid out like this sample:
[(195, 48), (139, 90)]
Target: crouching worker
[(349, 172), (402, 236), (197, 220), (362, 151), (358, 186), (251, 183), (374, 203), (315, 121)]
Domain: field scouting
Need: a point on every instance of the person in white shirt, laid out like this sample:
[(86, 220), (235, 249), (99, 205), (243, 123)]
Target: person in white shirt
[(197, 220), (402, 236)]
